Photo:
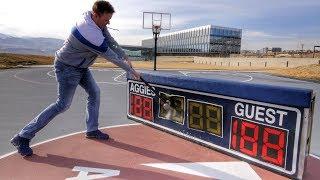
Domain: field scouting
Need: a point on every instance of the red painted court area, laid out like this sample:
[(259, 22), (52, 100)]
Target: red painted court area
[(133, 152)]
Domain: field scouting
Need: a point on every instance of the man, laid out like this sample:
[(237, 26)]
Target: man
[(88, 39)]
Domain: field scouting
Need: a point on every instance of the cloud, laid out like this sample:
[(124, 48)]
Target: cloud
[(249, 34), (253, 40), (263, 22)]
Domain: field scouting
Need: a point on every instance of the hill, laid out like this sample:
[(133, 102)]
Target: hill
[(29, 45)]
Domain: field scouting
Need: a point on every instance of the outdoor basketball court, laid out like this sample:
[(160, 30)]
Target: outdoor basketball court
[(191, 125), (135, 151)]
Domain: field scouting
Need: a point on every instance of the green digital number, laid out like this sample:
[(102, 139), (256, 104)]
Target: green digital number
[(213, 116), (205, 117), (195, 115)]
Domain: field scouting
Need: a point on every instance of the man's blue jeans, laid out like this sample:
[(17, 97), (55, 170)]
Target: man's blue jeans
[(68, 78)]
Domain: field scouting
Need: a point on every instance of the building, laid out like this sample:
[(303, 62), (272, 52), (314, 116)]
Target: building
[(206, 40), (276, 49), (137, 52), (273, 49), (265, 50)]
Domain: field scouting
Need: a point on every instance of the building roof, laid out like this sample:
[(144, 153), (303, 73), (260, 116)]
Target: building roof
[(197, 28)]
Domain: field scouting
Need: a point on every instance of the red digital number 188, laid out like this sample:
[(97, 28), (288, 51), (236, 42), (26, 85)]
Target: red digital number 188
[(141, 106), (259, 141)]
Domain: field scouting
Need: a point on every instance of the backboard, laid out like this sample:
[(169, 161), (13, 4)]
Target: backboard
[(151, 19)]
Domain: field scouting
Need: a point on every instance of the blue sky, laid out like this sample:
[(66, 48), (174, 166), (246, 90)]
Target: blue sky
[(272, 23)]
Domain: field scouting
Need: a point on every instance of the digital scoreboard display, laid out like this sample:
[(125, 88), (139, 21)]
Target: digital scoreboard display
[(205, 117), (266, 143), (270, 135)]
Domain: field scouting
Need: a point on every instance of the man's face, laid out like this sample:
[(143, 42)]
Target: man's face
[(103, 19)]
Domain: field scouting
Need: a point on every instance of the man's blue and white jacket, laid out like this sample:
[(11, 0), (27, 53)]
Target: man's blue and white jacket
[(86, 42)]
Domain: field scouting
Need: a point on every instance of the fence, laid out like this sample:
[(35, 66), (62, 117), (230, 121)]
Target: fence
[(257, 62)]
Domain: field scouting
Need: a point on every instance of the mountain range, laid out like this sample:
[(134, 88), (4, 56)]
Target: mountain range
[(29, 45)]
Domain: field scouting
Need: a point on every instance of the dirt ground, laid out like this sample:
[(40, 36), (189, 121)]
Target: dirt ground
[(8, 60), (309, 72)]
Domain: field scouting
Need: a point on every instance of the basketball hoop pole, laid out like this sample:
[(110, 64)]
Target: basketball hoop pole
[(156, 32)]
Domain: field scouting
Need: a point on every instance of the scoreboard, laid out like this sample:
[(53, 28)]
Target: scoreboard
[(266, 125)]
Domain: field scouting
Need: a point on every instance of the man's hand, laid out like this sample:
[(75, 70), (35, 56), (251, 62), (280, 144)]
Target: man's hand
[(135, 73)]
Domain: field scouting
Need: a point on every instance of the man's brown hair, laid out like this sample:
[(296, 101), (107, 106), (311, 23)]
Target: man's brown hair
[(101, 7)]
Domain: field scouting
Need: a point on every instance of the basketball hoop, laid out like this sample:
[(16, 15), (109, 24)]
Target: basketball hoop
[(156, 29), (157, 22)]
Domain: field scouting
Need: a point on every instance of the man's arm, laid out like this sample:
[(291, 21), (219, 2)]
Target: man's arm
[(114, 45), (111, 56), (102, 50)]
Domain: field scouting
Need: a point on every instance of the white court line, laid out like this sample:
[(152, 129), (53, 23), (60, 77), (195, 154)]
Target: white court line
[(29, 81), (116, 78), (60, 137), (315, 156), (247, 80), (184, 73), (50, 75), (250, 77)]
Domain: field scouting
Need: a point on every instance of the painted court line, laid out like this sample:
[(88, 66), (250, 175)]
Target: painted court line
[(49, 73), (116, 78), (315, 156), (60, 137), (226, 73), (29, 81)]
